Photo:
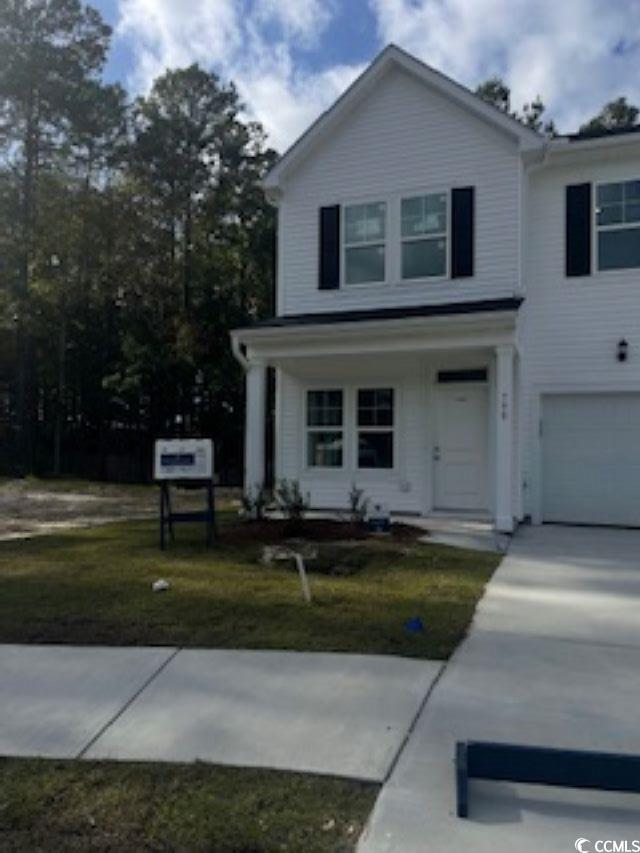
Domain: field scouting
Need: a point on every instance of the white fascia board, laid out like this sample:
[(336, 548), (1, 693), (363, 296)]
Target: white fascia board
[(527, 139), (409, 334)]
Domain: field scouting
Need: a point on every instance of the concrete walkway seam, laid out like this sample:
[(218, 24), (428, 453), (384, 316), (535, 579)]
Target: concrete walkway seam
[(127, 704)]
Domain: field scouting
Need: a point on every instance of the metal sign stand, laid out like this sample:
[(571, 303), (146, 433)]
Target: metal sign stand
[(168, 518)]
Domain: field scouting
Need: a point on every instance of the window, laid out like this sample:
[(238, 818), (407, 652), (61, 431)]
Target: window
[(375, 428), (325, 439), (424, 236), (618, 225), (364, 240)]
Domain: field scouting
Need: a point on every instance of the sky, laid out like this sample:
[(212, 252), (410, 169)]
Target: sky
[(290, 59)]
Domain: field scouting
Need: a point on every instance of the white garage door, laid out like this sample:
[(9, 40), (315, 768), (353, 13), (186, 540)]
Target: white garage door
[(591, 458)]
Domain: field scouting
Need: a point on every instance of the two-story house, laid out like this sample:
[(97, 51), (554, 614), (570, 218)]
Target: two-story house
[(458, 310)]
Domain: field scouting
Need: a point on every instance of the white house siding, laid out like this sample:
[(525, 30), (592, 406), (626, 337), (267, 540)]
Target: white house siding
[(569, 327), (403, 138), (408, 488)]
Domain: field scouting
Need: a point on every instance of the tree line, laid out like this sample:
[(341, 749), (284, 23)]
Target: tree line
[(134, 233)]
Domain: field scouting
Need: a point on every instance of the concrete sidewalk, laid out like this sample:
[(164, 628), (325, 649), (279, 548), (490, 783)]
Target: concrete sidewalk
[(552, 659), (345, 715)]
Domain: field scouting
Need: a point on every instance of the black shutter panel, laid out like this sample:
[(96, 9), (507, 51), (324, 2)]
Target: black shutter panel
[(578, 230), (329, 248), (462, 231)]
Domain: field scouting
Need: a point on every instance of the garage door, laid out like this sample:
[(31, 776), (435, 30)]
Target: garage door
[(591, 458)]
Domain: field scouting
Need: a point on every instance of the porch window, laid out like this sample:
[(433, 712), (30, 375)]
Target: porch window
[(364, 243), (375, 427), (424, 229), (618, 225), (325, 434)]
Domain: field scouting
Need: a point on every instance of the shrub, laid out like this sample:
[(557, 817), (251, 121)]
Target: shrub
[(254, 502), (291, 501), (358, 505)]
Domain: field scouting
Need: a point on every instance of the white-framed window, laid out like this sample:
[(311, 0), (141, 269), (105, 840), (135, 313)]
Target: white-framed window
[(365, 234), (617, 222), (325, 428), (424, 226), (375, 419)]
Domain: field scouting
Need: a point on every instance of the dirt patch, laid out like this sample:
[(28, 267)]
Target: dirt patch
[(32, 508)]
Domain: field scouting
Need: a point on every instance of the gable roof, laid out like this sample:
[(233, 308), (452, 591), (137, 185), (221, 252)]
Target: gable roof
[(394, 57)]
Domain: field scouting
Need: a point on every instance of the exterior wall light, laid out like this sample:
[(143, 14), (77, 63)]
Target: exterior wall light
[(623, 350)]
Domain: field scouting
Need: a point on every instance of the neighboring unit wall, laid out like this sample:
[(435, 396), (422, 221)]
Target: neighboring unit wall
[(570, 327), (403, 139)]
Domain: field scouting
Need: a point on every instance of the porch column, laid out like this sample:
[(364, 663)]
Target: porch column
[(504, 438), (255, 424)]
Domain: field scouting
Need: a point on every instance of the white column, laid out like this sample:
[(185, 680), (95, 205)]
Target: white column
[(255, 423), (504, 437)]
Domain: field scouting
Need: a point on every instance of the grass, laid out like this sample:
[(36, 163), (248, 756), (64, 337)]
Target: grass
[(79, 806), (94, 587)]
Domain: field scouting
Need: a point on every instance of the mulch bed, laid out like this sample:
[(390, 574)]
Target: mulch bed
[(275, 531)]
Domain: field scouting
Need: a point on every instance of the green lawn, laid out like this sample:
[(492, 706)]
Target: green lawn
[(94, 587), (80, 806)]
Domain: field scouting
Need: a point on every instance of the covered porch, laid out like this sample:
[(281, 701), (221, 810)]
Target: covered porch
[(417, 411)]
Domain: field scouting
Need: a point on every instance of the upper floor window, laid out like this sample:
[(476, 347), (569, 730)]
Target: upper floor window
[(424, 236), (618, 225), (365, 230), (325, 435)]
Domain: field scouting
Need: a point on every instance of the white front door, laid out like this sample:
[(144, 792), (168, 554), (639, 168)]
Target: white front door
[(461, 447)]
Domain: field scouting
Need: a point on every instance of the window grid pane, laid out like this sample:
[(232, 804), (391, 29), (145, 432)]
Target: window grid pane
[(324, 449), (424, 215), (375, 407), (424, 258), (364, 264), (618, 207), (365, 223), (324, 408), (375, 449)]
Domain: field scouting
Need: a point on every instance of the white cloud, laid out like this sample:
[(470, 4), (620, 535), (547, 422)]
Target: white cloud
[(563, 50), (249, 42)]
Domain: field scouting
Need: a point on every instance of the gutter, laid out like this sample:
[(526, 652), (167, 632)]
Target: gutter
[(238, 350)]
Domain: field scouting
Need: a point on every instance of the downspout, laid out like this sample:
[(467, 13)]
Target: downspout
[(238, 350)]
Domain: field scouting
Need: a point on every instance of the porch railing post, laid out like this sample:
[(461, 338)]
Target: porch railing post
[(256, 410)]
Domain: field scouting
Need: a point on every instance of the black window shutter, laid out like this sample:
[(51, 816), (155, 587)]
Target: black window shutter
[(329, 248), (462, 231), (578, 230)]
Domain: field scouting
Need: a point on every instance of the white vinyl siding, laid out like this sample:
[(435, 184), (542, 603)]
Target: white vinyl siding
[(569, 329), (403, 140)]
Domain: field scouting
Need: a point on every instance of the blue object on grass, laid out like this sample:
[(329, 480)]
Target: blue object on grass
[(414, 625)]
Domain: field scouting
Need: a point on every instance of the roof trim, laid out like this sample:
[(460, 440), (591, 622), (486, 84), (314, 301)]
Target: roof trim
[(393, 56), (446, 309)]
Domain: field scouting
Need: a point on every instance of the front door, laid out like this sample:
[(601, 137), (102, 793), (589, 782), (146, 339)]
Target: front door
[(461, 447)]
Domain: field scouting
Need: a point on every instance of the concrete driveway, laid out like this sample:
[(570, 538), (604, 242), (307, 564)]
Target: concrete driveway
[(553, 658)]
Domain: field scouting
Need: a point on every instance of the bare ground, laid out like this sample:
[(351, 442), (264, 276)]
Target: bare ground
[(33, 507)]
